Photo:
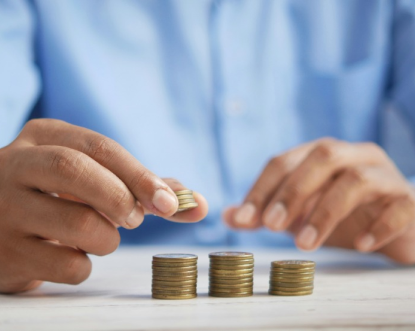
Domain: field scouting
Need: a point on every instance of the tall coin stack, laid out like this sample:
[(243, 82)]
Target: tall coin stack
[(186, 200), (174, 276), (231, 274), (292, 277)]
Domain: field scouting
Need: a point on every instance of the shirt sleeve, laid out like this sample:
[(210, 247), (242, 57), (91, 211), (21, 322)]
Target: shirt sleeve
[(19, 78), (402, 82)]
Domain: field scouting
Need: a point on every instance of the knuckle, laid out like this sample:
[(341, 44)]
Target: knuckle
[(356, 176), (325, 151), (102, 148), (276, 162), (67, 165), (121, 200), (325, 215), (77, 268), (87, 223), (293, 192), (139, 180)]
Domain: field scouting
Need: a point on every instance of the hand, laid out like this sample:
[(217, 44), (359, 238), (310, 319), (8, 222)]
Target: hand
[(44, 237), (336, 193)]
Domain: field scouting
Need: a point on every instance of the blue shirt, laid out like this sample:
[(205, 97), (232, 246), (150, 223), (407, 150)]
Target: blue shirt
[(207, 91)]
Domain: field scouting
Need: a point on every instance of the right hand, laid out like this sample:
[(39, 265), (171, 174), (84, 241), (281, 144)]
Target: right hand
[(44, 237)]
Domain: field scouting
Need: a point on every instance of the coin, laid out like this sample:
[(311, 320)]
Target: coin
[(230, 295), (232, 267), (230, 255), (280, 284), (292, 289), (228, 262), (230, 272), (292, 274), (168, 269), (176, 257), (230, 290), (293, 264), (226, 281), (185, 197), (173, 297), (183, 192), (290, 293), (187, 206), (185, 201), (241, 285)]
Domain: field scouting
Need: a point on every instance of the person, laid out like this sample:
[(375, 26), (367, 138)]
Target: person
[(270, 109)]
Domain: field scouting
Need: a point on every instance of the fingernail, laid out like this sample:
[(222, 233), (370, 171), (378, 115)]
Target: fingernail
[(135, 218), (307, 236), (245, 214), (276, 216), (164, 201), (366, 242)]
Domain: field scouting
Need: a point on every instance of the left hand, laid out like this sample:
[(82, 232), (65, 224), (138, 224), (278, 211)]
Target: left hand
[(326, 185)]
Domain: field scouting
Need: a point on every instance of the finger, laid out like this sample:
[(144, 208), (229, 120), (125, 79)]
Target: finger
[(229, 218), (325, 160), (63, 170), (248, 216), (191, 215), (393, 222), (352, 188), (56, 263), (151, 191), (71, 223)]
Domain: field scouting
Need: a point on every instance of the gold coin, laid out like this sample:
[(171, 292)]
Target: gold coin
[(293, 264), (175, 275), (235, 277), (174, 297), (294, 285), (231, 267), (230, 272), (174, 292), (174, 279), (186, 201), (230, 295), (230, 290), (292, 271), (230, 255), (217, 280), (242, 285), (185, 197), (176, 286), (175, 269), (176, 257), (290, 293), (174, 283), (291, 289), (292, 274), (231, 263), (291, 280), (187, 206), (182, 192), (174, 265)]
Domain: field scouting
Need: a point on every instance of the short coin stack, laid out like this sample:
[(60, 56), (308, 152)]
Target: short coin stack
[(291, 277), (186, 200), (231, 274), (174, 276)]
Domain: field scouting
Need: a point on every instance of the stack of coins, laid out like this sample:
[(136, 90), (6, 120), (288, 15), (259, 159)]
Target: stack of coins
[(174, 276), (231, 274), (186, 200), (292, 277)]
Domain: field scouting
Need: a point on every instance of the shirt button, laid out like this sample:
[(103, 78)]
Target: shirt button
[(234, 107)]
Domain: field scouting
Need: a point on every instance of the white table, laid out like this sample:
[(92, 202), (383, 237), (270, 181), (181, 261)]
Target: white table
[(352, 291)]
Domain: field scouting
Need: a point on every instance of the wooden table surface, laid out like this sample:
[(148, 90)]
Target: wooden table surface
[(352, 291)]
